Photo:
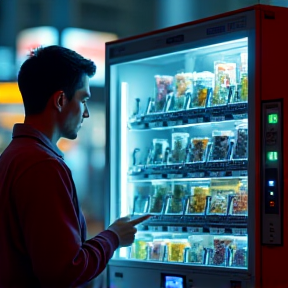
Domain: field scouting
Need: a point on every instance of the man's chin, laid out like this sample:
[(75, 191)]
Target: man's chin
[(71, 136)]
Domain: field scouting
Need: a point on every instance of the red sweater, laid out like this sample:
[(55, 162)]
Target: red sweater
[(42, 229)]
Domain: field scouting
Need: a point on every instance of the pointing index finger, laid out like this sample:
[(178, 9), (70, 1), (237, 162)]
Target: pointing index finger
[(139, 219)]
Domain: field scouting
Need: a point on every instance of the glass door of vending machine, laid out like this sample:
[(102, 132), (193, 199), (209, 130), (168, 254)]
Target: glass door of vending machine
[(178, 148)]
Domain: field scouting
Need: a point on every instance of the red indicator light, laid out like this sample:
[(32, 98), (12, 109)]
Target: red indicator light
[(272, 203)]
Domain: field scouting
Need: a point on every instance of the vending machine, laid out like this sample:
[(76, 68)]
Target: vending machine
[(196, 137)]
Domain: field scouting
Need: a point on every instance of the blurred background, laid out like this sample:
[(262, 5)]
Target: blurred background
[(85, 26)]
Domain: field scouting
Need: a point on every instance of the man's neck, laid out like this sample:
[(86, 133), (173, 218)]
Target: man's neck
[(44, 125)]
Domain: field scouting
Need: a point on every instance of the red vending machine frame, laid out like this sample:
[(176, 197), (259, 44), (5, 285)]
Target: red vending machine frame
[(270, 62)]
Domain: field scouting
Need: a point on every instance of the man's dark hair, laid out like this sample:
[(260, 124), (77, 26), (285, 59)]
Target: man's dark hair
[(48, 70)]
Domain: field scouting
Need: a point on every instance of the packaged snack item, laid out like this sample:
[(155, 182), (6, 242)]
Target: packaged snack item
[(164, 86), (156, 250), (219, 255), (140, 204), (183, 84), (239, 253), (139, 248), (176, 249), (195, 254), (175, 205), (239, 201), (197, 150), (242, 88), (202, 85), (197, 200), (159, 148), (220, 145), (175, 202), (179, 147), (241, 147), (225, 76), (157, 200), (218, 204), (220, 189)]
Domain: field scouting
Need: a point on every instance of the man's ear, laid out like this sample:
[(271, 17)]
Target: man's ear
[(59, 100)]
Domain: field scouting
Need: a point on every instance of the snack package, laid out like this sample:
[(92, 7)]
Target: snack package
[(179, 190), (195, 254), (183, 83), (139, 248), (242, 88), (220, 145), (202, 86), (140, 205), (164, 86), (219, 254), (179, 147), (239, 253), (175, 205), (159, 149), (156, 250), (218, 204), (220, 189), (239, 201), (175, 202), (197, 150), (241, 146), (176, 249), (157, 200), (197, 200), (225, 76)]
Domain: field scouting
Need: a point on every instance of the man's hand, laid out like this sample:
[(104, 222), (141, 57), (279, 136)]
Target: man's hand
[(125, 230)]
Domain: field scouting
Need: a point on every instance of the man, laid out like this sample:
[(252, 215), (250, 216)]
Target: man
[(42, 229)]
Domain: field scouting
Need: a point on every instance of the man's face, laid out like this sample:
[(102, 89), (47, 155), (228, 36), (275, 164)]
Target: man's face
[(76, 110)]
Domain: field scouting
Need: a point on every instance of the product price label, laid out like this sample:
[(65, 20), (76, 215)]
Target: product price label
[(217, 118), (155, 176), (240, 116), (155, 228), (195, 175), (175, 123), (192, 120), (217, 231), (239, 231), (195, 120), (174, 229), (170, 176), (195, 229), (240, 173), (173, 176), (156, 124)]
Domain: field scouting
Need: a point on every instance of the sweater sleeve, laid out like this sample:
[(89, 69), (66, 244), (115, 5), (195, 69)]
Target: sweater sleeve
[(43, 200)]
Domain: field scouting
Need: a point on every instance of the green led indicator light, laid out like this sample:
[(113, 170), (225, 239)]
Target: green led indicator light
[(273, 118), (272, 156)]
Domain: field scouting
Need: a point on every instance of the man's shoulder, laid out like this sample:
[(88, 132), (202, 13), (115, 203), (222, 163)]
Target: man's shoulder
[(23, 156), (26, 150)]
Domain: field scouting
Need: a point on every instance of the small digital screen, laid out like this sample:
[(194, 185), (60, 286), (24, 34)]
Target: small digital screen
[(273, 118), (272, 156), (174, 282), (271, 183)]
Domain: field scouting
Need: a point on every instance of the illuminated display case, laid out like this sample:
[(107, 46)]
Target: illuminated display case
[(185, 162)]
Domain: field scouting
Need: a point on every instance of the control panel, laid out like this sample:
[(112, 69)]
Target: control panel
[(272, 173)]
